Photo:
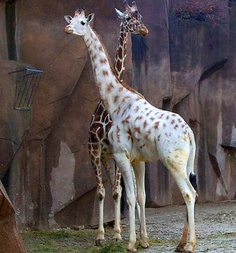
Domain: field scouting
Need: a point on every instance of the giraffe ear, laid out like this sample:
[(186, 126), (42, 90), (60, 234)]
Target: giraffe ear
[(90, 17), (68, 18), (119, 13)]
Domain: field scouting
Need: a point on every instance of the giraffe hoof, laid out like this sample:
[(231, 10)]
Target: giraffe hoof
[(116, 239), (144, 243), (181, 249), (100, 242), (131, 248)]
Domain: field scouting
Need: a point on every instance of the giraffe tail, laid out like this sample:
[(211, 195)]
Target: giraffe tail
[(190, 164)]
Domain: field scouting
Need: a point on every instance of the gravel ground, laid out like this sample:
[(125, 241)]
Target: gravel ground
[(215, 227)]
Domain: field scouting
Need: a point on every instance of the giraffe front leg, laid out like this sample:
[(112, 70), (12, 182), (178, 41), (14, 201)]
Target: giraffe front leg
[(117, 200), (125, 167), (100, 240)]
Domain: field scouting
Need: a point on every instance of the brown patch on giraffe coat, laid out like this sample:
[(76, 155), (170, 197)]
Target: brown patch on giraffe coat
[(126, 97), (103, 61), (118, 65), (172, 121), (105, 72), (142, 146), (116, 99), (149, 113), (110, 87), (120, 89), (176, 126), (156, 125), (147, 134), (145, 124), (138, 118), (126, 120), (158, 137), (137, 130), (137, 108)]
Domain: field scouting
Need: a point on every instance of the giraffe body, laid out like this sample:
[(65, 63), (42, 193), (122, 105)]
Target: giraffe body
[(140, 133)]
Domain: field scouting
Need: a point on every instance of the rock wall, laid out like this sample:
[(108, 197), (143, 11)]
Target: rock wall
[(182, 65)]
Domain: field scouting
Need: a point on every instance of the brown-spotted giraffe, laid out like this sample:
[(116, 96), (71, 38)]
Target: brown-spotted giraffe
[(140, 133), (98, 144)]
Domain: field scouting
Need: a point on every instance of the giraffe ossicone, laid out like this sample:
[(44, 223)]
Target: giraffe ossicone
[(141, 132)]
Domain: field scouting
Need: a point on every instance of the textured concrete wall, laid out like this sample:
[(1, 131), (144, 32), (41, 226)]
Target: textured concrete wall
[(182, 65)]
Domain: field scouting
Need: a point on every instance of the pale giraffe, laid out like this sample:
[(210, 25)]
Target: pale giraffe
[(140, 133), (98, 144)]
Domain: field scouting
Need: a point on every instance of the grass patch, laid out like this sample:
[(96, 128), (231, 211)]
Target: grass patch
[(68, 241)]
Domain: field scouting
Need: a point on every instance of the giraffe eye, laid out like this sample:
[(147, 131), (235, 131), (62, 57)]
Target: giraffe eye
[(128, 18), (82, 23)]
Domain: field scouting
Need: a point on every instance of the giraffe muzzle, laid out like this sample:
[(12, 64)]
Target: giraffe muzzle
[(68, 30), (143, 31)]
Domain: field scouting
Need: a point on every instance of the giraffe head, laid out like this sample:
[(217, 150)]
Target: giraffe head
[(132, 19), (78, 24)]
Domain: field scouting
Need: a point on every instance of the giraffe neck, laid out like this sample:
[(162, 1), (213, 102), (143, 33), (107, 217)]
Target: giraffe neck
[(121, 53), (110, 88)]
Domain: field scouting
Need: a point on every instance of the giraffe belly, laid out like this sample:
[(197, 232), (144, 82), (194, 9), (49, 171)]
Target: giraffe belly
[(144, 151)]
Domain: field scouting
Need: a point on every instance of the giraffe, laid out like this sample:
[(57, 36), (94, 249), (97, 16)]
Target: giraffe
[(140, 133), (98, 144)]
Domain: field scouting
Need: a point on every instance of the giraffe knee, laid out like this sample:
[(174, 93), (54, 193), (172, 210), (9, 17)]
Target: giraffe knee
[(101, 193)]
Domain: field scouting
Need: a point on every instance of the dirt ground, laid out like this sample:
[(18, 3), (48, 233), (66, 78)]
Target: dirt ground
[(215, 228)]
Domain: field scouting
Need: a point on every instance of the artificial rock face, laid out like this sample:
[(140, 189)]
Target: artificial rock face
[(192, 75)]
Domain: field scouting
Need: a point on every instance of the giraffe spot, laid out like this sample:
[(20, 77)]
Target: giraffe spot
[(179, 120), (103, 61), (126, 120), (137, 130), (167, 117), (116, 99), (100, 48), (164, 124), (105, 72), (145, 124), (149, 113), (156, 125), (126, 97), (158, 137), (176, 126), (129, 106), (147, 134), (138, 118), (118, 66), (120, 89), (110, 87), (142, 146), (152, 118), (172, 121), (137, 108)]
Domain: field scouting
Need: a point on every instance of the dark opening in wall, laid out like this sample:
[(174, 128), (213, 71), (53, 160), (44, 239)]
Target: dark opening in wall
[(166, 102), (11, 29)]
